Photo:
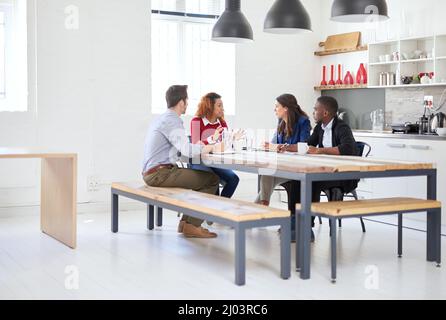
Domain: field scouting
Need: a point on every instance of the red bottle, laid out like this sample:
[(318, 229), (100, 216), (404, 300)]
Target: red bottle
[(348, 80), (324, 71), (331, 82), (339, 82), (361, 77)]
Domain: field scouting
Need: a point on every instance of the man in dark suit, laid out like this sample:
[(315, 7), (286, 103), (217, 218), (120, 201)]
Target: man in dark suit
[(331, 136)]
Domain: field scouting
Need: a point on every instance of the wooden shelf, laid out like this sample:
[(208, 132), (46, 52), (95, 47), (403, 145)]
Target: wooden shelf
[(340, 51), (383, 63), (409, 86), (341, 87)]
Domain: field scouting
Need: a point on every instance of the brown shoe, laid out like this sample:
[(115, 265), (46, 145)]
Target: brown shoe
[(191, 231), (264, 203), (181, 226)]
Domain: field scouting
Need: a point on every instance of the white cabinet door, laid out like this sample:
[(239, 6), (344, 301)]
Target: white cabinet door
[(391, 149), (408, 150), (428, 151)]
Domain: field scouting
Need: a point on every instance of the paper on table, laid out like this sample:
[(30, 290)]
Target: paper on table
[(225, 152), (216, 204)]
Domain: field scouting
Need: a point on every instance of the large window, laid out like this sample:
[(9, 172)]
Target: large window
[(13, 56), (183, 53)]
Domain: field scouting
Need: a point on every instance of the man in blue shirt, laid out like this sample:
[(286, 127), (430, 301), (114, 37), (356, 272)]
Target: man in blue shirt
[(166, 139)]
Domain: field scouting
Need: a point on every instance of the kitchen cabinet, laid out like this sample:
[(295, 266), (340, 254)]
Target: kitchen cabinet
[(410, 150)]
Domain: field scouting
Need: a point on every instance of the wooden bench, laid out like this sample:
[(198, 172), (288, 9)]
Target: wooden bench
[(376, 207), (240, 215)]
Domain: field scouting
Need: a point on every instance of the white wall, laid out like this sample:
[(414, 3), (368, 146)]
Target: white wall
[(90, 89), (93, 93), (407, 17)]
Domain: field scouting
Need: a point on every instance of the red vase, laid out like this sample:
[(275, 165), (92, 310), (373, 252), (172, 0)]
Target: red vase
[(331, 82), (324, 71), (339, 81), (348, 78), (361, 77)]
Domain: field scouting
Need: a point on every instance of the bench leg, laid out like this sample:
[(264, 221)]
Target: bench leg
[(285, 249), (240, 255), (434, 236), (150, 217), (333, 249), (114, 212), (159, 217), (400, 235)]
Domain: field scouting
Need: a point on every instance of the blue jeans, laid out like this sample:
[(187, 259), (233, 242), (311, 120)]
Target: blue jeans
[(227, 177)]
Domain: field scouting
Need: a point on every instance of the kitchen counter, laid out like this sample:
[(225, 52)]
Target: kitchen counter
[(389, 134)]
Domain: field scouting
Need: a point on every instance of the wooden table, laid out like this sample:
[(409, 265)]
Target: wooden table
[(58, 192), (310, 168)]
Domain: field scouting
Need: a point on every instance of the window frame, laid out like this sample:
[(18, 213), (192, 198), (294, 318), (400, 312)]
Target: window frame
[(17, 20), (183, 19)]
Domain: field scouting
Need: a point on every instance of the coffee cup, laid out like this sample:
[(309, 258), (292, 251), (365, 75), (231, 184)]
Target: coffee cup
[(302, 148)]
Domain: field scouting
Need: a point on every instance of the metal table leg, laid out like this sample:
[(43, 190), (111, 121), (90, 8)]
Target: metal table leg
[(115, 212), (433, 221), (285, 249), (333, 249), (306, 189), (400, 235)]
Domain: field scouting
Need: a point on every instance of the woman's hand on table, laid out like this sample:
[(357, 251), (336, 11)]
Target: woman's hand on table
[(270, 146), (287, 148)]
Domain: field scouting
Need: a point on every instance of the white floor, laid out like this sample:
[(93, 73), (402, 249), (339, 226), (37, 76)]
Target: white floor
[(139, 264)]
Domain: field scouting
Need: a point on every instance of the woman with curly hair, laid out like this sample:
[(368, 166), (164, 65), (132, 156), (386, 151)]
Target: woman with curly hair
[(207, 128)]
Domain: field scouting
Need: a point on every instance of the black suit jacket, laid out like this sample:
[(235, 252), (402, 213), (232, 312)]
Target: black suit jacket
[(342, 137)]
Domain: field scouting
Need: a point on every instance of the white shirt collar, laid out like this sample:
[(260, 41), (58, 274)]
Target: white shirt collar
[(206, 121), (328, 126)]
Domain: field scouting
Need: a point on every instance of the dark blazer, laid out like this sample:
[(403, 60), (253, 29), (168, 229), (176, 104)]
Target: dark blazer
[(342, 137)]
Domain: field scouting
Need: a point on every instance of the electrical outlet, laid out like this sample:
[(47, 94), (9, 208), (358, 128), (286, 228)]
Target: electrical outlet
[(429, 101), (93, 183)]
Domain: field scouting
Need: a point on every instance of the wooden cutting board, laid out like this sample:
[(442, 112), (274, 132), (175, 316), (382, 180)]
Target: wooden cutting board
[(342, 41)]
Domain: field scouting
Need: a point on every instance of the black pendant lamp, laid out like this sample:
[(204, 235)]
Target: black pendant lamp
[(359, 11), (232, 26), (287, 17)]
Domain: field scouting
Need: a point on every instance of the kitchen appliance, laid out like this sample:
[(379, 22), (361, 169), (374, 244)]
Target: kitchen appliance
[(383, 79), (391, 78), (424, 125), (437, 120), (377, 118), (405, 128)]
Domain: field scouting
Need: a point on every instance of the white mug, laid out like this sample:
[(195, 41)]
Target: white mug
[(302, 148)]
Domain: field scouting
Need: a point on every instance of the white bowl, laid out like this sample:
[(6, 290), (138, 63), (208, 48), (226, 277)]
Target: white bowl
[(441, 132)]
